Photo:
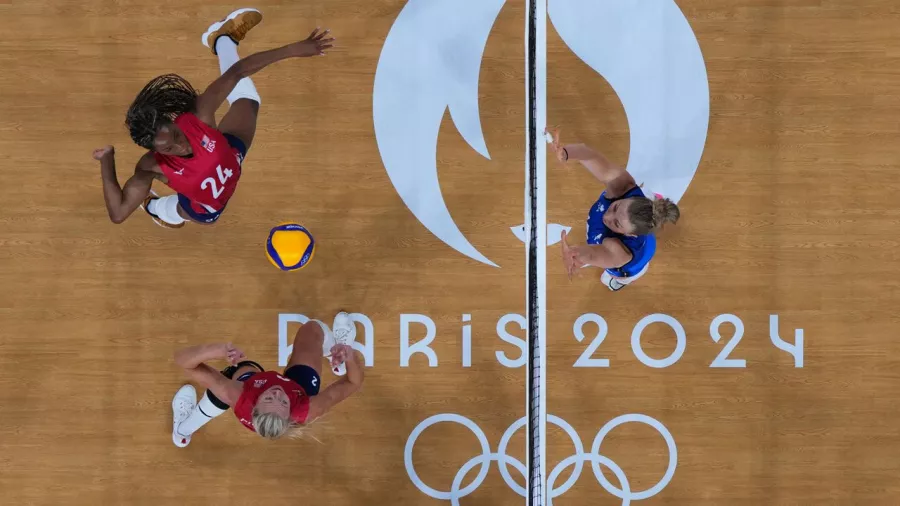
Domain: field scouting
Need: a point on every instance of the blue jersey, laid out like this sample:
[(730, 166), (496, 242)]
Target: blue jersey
[(641, 247)]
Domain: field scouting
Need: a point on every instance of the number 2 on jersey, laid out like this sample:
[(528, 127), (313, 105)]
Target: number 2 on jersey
[(210, 182)]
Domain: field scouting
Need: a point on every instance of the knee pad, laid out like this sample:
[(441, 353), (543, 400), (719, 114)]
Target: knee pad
[(211, 406), (229, 371), (244, 89)]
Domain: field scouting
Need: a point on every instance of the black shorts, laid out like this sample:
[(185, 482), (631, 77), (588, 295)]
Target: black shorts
[(306, 377), (303, 375)]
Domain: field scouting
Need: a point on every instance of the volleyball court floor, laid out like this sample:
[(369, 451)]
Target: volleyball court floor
[(404, 154)]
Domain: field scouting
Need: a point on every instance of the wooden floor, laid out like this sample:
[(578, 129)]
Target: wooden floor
[(792, 212)]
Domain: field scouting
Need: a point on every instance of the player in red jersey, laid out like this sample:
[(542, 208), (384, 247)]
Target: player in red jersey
[(266, 402), (189, 152)]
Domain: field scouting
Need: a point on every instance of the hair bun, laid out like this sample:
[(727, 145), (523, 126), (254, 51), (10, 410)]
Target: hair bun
[(664, 211)]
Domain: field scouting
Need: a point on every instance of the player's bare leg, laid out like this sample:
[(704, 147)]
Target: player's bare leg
[(308, 345), (315, 340)]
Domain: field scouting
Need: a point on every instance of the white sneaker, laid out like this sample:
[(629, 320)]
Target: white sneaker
[(344, 332), (328, 342), (611, 282), (182, 406)]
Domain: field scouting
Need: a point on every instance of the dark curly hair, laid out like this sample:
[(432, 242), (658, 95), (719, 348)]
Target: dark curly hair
[(160, 102)]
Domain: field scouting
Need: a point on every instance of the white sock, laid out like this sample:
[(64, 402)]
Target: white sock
[(151, 206), (228, 56), (166, 209), (203, 412)]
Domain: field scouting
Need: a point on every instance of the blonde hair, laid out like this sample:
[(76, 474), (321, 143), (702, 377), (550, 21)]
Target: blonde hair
[(270, 425), (649, 215), (273, 426)]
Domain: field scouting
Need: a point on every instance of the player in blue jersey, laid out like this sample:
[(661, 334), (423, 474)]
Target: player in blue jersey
[(620, 225)]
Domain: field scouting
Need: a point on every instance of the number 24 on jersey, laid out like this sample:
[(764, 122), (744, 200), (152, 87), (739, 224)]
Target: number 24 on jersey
[(224, 175)]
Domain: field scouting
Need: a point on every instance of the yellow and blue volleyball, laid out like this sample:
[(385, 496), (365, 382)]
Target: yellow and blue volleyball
[(290, 247)]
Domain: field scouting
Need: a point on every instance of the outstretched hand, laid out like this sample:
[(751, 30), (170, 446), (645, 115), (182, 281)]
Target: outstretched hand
[(314, 45), (569, 256), (555, 145)]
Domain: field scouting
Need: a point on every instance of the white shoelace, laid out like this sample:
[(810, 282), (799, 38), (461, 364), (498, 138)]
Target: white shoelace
[(341, 336)]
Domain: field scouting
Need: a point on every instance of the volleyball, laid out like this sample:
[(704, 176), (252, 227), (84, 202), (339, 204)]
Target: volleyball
[(290, 247)]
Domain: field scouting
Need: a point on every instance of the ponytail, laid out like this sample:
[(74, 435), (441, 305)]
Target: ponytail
[(648, 216), (664, 211)]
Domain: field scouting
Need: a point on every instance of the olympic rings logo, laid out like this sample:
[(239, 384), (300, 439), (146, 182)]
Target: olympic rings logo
[(578, 459)]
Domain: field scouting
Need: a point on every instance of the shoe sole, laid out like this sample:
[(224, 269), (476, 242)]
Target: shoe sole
[(215, 27), (352, 324), (179, 440)]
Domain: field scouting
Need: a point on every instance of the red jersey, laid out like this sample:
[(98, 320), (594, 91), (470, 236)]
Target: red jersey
[(208, 177), (254, 387)]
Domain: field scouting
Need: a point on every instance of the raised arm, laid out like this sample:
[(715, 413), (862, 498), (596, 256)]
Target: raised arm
[(615, 177), (192, 361), (122, 201), (209, 101), (611, 253), (340, 389)]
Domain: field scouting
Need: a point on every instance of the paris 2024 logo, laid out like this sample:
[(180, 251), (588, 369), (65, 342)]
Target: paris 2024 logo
[(431, 61)]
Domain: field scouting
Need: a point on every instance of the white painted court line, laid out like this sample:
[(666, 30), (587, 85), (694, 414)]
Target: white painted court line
[(541, 148)]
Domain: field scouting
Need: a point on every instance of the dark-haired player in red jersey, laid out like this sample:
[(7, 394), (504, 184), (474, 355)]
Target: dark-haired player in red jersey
[(188, 151)]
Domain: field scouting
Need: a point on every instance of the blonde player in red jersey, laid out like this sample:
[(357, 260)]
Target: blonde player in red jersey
[(268, 403), (188, 151)]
